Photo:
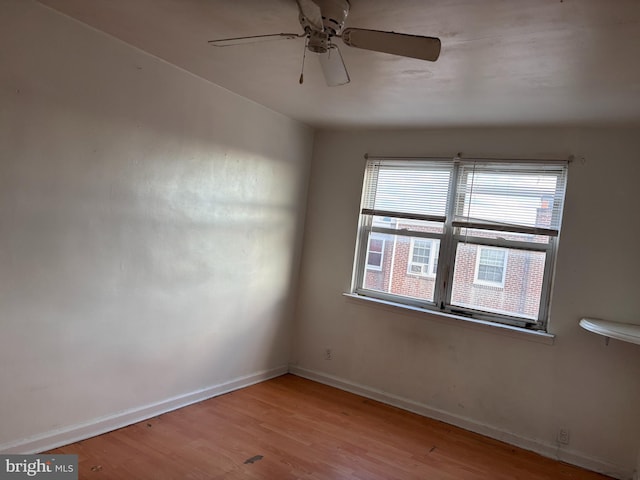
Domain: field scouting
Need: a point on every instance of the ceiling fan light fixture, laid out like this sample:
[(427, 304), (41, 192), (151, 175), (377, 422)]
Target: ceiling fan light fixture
[(333, 68)]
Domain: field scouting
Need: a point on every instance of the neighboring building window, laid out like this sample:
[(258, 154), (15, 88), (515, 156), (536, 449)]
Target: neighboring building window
[(491, 266), (423, 257), (375, 252), (487, 223)]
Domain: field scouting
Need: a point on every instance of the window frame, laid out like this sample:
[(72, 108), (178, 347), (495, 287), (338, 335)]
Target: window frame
[(449, 239), (381, 238), (431, 273), (490, 283)]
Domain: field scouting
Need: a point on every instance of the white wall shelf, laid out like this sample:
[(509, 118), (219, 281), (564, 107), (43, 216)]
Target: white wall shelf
[(627, 332)]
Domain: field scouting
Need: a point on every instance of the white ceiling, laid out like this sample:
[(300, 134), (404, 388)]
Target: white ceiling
[(503, 62)]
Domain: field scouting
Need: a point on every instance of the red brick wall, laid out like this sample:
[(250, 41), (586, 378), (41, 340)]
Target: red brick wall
[(404, 283), (522, 286)]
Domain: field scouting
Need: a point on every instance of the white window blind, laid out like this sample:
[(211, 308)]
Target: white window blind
[(411, 190), (522, 198)]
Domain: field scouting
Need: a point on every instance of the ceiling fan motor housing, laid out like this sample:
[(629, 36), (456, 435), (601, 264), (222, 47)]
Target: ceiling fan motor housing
[(334, 14), (318, 42)]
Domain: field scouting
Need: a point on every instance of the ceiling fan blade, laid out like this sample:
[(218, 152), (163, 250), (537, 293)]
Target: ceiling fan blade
[(230, 42), (335, 73), (414, 46), (311, 11)]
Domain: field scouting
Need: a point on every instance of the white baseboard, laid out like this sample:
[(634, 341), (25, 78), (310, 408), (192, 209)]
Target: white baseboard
[(74, 433), (545, 449)]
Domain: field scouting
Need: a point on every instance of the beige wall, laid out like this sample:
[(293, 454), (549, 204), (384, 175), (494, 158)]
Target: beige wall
[(512, 388), (150, 228)]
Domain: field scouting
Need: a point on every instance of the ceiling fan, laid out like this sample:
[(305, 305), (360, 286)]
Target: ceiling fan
[(323, 20)]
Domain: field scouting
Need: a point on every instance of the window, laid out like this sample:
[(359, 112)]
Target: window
[(490, 266), (423, 258), (473, 238), (375, 252)]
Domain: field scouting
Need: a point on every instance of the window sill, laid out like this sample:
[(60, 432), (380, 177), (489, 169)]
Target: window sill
[(459, 320), (491, 286), (420, 276)]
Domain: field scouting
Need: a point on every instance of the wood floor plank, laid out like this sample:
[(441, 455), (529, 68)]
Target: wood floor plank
[(293, 428)]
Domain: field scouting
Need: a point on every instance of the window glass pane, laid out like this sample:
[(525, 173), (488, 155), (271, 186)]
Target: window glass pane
[(375, 259), (376, 245), (421, 251), (407, 268), (506, 281)]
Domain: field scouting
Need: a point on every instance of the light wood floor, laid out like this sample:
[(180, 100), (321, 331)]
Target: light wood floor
[(292, 428)]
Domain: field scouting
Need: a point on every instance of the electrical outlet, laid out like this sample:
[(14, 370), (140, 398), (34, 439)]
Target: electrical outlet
[(563, 436), (327, 354)]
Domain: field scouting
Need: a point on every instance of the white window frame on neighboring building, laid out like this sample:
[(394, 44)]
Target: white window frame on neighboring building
[(476, 274), (427, 269), (381, 238), (399, 203)]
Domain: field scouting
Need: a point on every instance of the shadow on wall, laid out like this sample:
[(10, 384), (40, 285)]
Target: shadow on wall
[(151, 224)]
